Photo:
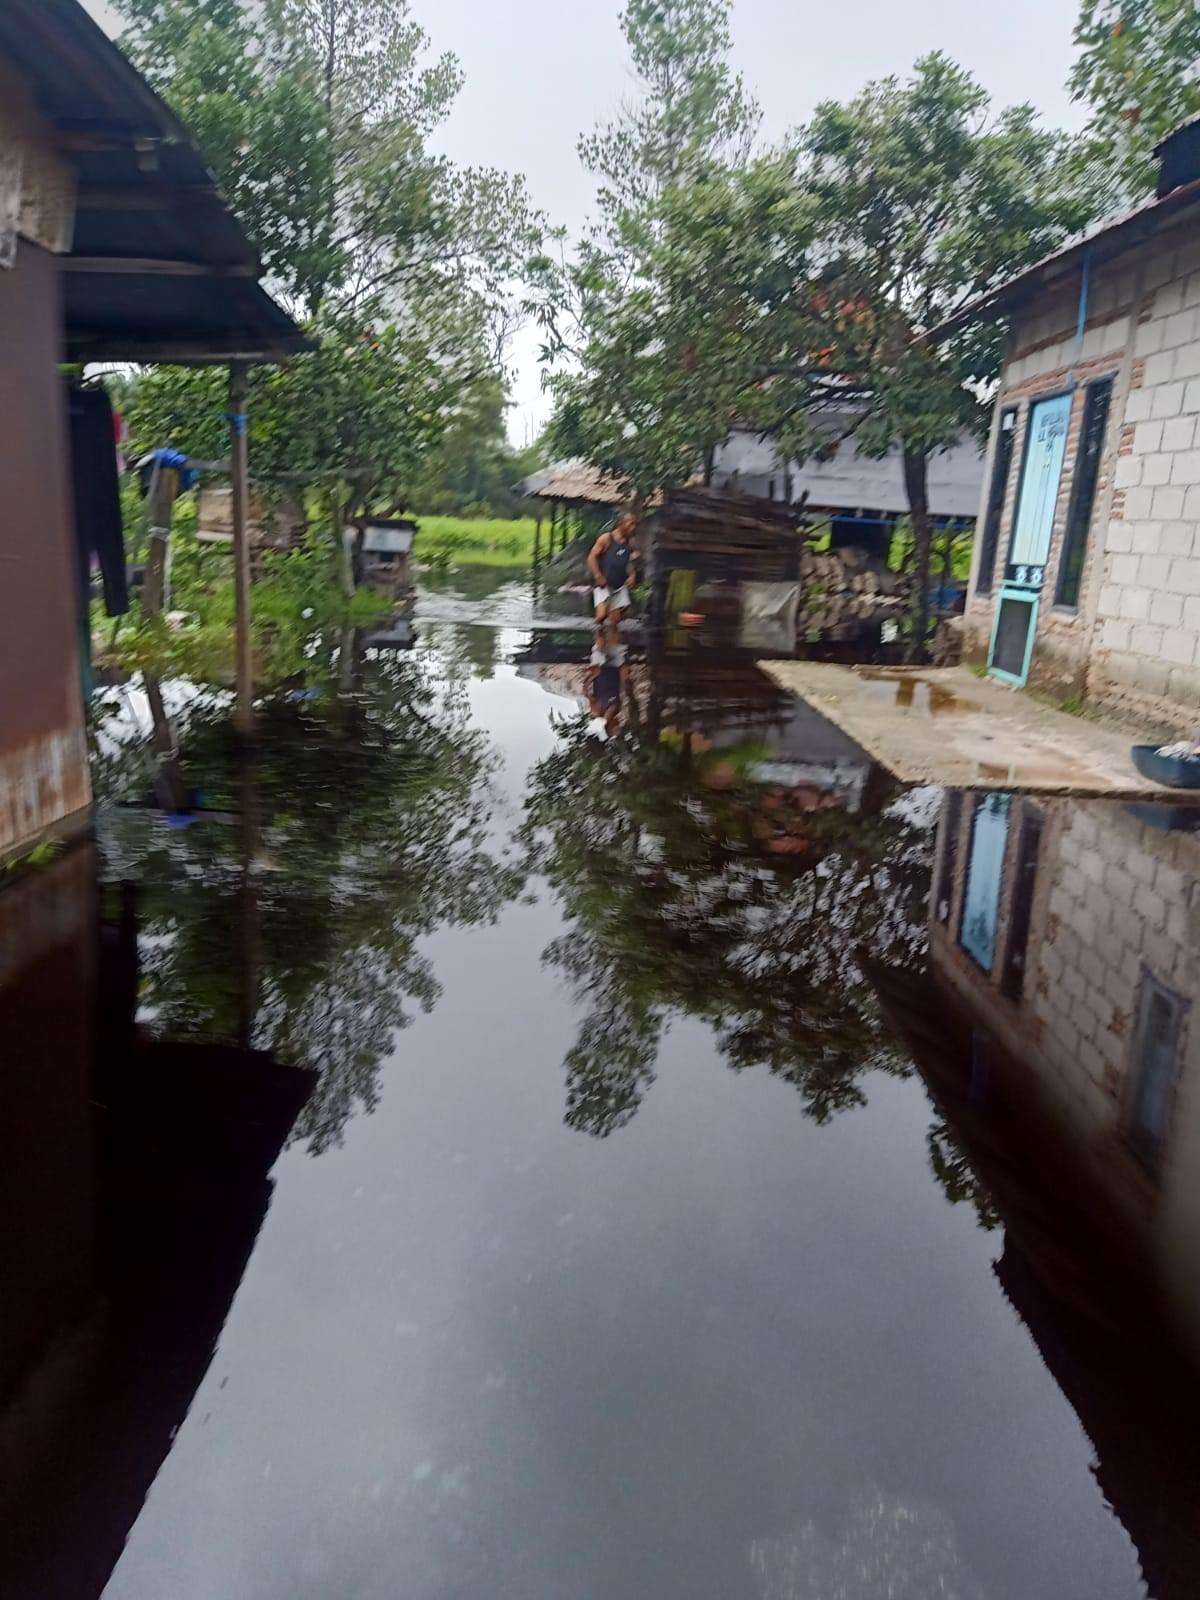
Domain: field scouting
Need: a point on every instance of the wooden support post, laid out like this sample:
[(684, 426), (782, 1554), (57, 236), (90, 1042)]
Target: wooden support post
[(537, 541), (160, 504), (239, 473)]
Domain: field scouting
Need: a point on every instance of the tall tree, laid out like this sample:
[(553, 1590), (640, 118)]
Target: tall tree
[(316, 116), (605, 309), (922, 200), (1137, 70)]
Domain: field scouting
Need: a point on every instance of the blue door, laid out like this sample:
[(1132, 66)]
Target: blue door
[(1041, 473)]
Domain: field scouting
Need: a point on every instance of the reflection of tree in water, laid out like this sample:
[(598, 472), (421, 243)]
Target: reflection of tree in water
[(957, 1176), (686, 897), (369, 808)]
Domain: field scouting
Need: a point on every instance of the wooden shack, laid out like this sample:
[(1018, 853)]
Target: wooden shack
[(385, 560)]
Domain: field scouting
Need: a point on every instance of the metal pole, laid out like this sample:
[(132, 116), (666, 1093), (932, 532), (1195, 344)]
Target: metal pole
[(239, 472)]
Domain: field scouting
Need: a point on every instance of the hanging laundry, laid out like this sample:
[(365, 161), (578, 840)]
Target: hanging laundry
[(96, 487)]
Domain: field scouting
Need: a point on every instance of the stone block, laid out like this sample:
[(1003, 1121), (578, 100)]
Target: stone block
[(1179, 328), (1167, 400), (1155, 469), (1148, 437), (1153, 572), (1169, 881), (1146, 639), (1160, 368), (1120, 883), (1128, 471), (1185, 467), (1178, 434), (1144, 538), (1179, 646), (1137, 505), (1114, 634), (1135, 603), (1166, 504), (1138, 407), (1178, 538), (1119, 536), (1185, 575), (1187, 360), (1190, 403), (1151, 905), (1191, 611), (1124, 569), (1166, 610), (1150, 337)]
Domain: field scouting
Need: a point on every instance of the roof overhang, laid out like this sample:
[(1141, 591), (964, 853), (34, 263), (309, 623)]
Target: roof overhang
[(159, 268)]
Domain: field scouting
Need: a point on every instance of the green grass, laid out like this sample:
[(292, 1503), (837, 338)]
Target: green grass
[(485, 542)]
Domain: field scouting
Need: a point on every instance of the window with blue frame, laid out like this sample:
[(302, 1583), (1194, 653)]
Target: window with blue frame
[(1154, 1063)]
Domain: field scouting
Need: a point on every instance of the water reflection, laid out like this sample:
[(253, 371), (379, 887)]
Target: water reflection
[(134, 1185), (748, 1333), (1055, 1031), (724, 860), (286, 908)]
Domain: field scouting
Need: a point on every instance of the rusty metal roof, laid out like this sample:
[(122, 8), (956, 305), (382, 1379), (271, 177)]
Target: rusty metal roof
[(575, 482)]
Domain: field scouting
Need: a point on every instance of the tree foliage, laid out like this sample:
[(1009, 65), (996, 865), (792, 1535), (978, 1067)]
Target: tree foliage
[(682, 900), (1137, 69), (338, 897), (317, 116)]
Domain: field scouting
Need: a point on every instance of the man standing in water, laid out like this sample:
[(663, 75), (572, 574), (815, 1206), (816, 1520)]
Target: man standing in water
[(612, 562)]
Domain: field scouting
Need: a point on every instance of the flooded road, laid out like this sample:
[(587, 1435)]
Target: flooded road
[(716, 1174)]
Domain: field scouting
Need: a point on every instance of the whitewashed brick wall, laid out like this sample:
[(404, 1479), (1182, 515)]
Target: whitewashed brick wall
[(1134, 639)]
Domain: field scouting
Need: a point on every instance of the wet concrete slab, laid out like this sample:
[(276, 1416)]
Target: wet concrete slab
[(946, 726)]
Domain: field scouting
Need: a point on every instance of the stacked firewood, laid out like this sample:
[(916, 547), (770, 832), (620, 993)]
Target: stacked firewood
[(843, 590)]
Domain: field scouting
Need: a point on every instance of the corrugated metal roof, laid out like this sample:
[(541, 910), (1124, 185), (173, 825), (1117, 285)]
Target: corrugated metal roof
[(1110, 237), (159, 267), (388, 541)]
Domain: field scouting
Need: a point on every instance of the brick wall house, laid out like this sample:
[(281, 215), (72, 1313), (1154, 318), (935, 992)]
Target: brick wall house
[(1070, 933), (1086, 574)]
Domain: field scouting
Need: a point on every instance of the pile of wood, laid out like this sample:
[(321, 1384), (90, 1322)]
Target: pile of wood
[(843, 591), (733, 535)]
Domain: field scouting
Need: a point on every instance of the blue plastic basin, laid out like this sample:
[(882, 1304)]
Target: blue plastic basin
[(1176, 772)]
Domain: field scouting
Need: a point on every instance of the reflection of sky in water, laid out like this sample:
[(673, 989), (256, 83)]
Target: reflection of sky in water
[(888, 1550)]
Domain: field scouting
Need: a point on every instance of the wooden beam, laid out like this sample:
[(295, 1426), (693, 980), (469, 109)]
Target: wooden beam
[(160, 506), (239, 474), (153, 267)]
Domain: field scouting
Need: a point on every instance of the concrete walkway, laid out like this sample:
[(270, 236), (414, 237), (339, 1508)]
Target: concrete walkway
[(946, 726)]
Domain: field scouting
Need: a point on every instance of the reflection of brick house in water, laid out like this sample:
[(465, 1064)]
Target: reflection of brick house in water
[(1073, 932), (1057, 1035)]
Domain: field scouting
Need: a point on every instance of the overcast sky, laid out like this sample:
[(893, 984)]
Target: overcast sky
[(538, 72)]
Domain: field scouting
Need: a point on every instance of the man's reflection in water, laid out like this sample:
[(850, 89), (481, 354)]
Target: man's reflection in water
[(607, 682)]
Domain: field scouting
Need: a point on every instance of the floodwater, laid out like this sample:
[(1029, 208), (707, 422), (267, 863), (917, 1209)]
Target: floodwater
[(712, 1176)]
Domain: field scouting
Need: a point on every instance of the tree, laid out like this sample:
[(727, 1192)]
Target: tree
[(629, 397), (921, 202), (1137, 70), (473, 467), (690, 108), (316, 116)]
